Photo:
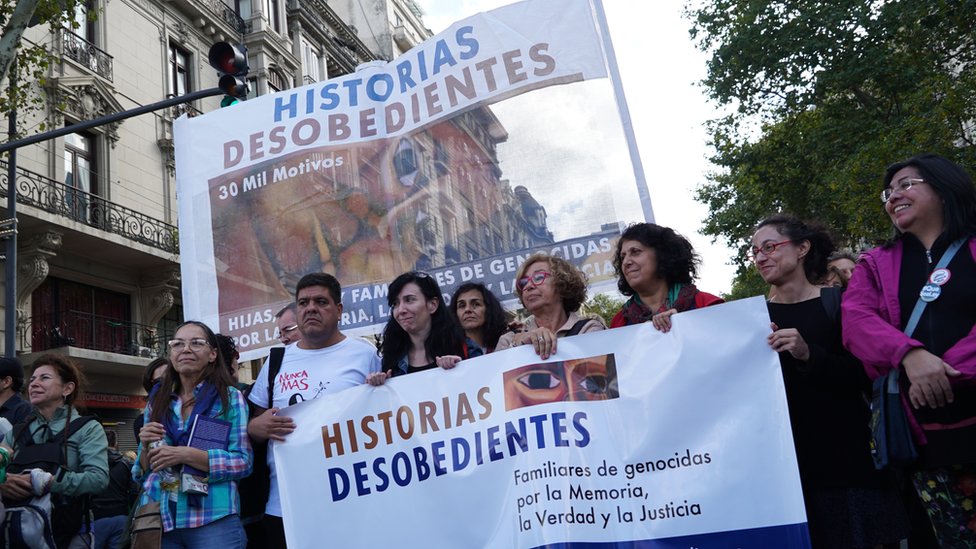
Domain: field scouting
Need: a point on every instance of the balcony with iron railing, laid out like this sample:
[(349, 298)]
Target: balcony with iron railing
[(227, 14), (94, 332), (87, 54), (34, 189)]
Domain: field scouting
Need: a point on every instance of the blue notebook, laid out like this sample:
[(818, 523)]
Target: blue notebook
[(207, 433)]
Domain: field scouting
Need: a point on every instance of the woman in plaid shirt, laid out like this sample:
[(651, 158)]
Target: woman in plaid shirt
[(197, 384)]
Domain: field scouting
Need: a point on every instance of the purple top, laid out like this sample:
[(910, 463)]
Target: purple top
[(871, 316)]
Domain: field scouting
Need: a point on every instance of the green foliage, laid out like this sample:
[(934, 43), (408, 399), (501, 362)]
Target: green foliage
[(603, 306), (748, 284), (34, 60), (824, 95)]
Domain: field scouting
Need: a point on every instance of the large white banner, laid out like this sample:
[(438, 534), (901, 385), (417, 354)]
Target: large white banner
[(627, 435), (390, 169)]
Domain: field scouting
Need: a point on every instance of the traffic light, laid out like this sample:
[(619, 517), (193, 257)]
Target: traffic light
[(231, 64)]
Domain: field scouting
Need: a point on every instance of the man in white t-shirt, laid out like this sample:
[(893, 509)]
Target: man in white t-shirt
[(324, 361)]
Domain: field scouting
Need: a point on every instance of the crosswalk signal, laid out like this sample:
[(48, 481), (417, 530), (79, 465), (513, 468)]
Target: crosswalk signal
[(231, 64)]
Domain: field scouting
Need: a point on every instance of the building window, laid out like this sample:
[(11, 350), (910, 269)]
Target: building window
[(252, 87), (80, 175), (68, 313), (310, 63), (276, 81), (274, 17), (179, 71), (166, 327), (84, 25), (242, 8)]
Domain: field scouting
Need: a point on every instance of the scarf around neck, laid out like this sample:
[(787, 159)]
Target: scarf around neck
[(206, 395), (680, 297)]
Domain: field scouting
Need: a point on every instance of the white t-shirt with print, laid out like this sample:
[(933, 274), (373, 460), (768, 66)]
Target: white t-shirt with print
[(307, 374)]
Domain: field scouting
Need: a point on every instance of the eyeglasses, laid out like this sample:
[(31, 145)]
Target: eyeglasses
[(287, 331), (900, 187), (767, 249), (536, 278), (196, 344)]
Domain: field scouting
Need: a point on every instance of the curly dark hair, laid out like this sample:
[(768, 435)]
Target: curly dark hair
[(215, 373), (445, 338), (953, 185), (821, 243), (228, 350), (495, 324), (570, 282), (677, 262)]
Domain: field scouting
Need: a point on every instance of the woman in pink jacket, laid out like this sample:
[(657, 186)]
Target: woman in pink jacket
[(932, 203)]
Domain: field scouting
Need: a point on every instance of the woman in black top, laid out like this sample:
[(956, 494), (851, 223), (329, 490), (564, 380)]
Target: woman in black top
[(421, 333), (849, 504)]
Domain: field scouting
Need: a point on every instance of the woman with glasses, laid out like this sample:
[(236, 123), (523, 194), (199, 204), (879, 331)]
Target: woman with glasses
[(552, 290), (656, 267), (480, 314), (849, 504), (421, 334), (197, 386), (929, 264)]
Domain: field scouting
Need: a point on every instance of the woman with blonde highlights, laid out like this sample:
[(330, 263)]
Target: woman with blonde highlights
[(552, 290)]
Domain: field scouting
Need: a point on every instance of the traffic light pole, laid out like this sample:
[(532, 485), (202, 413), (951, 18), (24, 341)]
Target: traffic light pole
[(12, 146), (109, 118)]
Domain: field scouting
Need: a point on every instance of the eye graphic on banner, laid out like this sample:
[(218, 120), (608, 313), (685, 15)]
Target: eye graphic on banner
[(672, 440), (582, 379)]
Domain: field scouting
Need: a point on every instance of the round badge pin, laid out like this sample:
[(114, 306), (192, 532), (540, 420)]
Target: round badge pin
[(930, 292), (940, 276)]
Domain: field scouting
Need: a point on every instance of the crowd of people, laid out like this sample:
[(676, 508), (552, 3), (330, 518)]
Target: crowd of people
[(839, 321)]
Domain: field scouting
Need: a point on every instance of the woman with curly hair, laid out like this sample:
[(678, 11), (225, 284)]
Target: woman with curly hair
[(848, 503), (656, 267), (82, 463), (552, 290), (480, 314)]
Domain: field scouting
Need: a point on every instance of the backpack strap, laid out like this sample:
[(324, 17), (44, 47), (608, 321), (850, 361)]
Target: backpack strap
[(70, 429), (274, 366), (578, 327), (22, 435)]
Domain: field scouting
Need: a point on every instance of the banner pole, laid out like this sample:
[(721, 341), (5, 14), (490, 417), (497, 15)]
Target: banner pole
[(628, 127)]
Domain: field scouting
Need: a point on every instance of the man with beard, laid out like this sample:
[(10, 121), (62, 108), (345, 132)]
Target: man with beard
[(324, 361)]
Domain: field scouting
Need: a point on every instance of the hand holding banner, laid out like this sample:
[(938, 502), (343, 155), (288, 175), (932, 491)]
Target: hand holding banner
[(625, 435)]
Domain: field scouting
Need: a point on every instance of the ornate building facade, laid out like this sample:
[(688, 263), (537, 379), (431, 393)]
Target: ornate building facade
[(98, 266)]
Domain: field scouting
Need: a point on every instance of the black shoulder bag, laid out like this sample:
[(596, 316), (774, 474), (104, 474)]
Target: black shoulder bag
[(892, 446)]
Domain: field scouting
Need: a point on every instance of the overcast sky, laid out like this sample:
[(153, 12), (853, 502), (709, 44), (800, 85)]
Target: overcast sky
[(586, 177)]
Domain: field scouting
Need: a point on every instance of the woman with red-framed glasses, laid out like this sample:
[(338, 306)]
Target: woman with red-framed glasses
[(552, 290), (848, 503)]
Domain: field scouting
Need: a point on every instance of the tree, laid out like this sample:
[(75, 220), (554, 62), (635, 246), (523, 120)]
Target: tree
[(603, 306), (823, 95), (33, 60)]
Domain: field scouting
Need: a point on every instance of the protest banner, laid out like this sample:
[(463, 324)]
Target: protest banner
[(390, 169), (627, 435)]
